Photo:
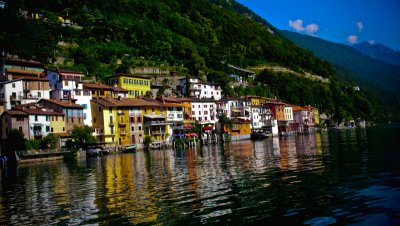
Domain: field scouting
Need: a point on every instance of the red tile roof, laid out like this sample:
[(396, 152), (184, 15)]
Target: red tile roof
[(97, 86), (30, 78), (15, 112), (64, 104)]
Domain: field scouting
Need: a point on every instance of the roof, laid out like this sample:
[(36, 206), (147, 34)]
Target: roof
[(15, 112), (23, 62), (61, 71), (201, 100), (42, 112), (125, 102), (30, 78), (154, 116), (128, 75), (119, 89), (298, 108), (97, 86), (63, 104)]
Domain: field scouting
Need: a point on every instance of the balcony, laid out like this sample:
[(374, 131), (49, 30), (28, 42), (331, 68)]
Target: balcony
[(122, 124), (155, 133), (157, 123)]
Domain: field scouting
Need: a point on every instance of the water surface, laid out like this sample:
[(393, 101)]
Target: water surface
[(347, 177)]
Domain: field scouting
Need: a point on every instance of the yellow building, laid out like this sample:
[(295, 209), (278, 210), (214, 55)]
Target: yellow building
[(315, 113), (256, 100), (240, 130), (101, 90), (57, 124), (121, 120), (187, 112), (155, 120), (136, 85)]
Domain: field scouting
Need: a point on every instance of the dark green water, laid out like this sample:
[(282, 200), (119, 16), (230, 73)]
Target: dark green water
[(348, 177)]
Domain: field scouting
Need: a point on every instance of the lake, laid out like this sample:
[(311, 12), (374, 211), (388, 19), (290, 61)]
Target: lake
[(343, 177)]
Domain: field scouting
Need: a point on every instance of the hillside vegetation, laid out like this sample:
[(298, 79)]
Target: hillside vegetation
[(380, 77), (192, 36)]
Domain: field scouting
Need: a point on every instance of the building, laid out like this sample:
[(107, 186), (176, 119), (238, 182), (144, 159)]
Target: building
[(194, 88), (23, 90), (136, 85), (204, 111), (119, 120), (315, 113), (13, 119), (155, 121), (237, 107), (188, 121), (41, 120), (73, 113), (67, 85), (19, 67), (105, 91), (174, 116), (304, 117), (262, 120)]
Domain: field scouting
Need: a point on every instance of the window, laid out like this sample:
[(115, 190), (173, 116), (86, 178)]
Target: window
[(205, 118), (132, 119), (36, 118), (193, 112), (199, 105), (111, 119), (14, 95), (112, 130), (47, 118), (94, 119), (193, 106), (199, 112), (125, 81), (180, 116), (140, 128), (141, 82), (132, 128), (13, 85), (84, 115), (72, 120), (138, 119), (47, 128), (136, 81), (152, 109), (63, 128), (205, 106), (206, 112), (52, 129), (20, 129), (130, 81)]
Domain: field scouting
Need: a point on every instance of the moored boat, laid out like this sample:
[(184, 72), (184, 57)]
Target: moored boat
[(129, 149)]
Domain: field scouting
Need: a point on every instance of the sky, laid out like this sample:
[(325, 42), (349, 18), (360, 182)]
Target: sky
[(340, 21)]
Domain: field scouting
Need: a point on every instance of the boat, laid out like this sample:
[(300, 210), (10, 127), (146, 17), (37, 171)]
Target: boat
[(129, 149)]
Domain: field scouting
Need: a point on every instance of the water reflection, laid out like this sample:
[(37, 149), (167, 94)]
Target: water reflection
[(313, 178)]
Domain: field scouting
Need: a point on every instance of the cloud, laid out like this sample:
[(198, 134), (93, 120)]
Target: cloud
[(311, 28), (297, 25), (352, 39), (360, 26), (371, 42)]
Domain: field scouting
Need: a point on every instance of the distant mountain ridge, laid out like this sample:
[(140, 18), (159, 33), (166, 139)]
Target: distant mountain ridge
[(355, 66), (379, 52)]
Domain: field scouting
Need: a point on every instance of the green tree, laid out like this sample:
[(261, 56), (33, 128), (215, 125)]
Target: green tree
[(16, 141), (50, 141), (81, 137)]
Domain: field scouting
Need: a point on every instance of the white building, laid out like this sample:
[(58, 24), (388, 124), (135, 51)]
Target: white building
[(193, 87), (237, 107), (204, 111), (66, 84), (262, 120), (23, 90)]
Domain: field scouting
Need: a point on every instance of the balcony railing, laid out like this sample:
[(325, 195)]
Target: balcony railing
[(122, 124), (157, 123)]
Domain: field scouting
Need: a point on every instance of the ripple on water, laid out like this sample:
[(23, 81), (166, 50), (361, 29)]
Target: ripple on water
[(320, 221)]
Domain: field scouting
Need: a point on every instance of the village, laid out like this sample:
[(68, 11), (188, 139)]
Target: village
[(39, 101)]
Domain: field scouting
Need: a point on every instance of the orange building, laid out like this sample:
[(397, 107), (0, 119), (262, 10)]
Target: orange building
[(240, 130)]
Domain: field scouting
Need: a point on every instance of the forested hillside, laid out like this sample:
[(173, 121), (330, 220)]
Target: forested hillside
[(192, 36)]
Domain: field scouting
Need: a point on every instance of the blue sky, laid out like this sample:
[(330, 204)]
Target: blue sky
[(342, 21)]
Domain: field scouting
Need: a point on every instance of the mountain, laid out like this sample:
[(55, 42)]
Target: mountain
[(379, 52), (352, 65), (190, 37)]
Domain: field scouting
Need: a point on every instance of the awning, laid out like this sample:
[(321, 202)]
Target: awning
[(207, 128), (154, 116)]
